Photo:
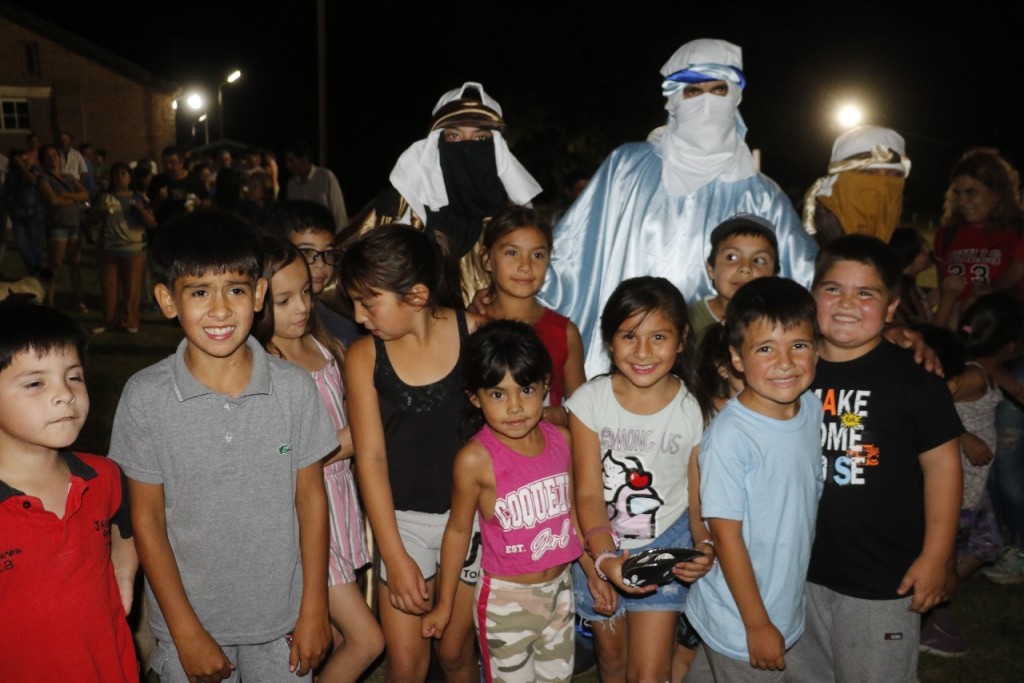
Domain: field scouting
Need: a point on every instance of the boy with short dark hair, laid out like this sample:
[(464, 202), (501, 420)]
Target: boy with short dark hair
[(67, 561), (760, 477), (888, 516), (743, 248), (222, 445), (310, 227)]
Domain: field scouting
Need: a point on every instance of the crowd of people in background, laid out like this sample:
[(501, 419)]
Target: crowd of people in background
[(518, 412)]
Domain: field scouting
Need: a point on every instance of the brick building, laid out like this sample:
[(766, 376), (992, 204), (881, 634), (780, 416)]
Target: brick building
[(53, 80)]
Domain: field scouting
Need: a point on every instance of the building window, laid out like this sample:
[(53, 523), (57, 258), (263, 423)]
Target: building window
[(30, 59), (14, 115)]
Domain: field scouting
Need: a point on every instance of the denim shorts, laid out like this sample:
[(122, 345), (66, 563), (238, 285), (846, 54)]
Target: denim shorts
[(668, 598), (63, 232)]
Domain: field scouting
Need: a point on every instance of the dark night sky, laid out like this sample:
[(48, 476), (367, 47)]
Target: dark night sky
[(583, 75)]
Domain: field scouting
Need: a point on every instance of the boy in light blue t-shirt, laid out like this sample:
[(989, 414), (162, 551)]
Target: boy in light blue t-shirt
[(760, 470)]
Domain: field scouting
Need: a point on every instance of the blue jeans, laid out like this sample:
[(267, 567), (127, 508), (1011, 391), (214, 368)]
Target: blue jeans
[(1006, 478)]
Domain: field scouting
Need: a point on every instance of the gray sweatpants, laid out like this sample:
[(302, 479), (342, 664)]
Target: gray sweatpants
[(263, 663)]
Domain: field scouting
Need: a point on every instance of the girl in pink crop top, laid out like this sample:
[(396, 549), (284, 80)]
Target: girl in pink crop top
[(514, 474)]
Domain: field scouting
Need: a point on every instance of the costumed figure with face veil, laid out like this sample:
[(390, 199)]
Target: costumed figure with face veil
[(863, 191), (651, 206), (454, 180)]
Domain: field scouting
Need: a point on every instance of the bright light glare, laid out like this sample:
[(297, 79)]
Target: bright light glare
[(202, 118), (194, 101), (174, 104), (849, 115), (234, 76)]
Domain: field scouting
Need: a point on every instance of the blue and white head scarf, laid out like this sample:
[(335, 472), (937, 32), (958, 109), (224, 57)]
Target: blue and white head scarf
[(703, 138)]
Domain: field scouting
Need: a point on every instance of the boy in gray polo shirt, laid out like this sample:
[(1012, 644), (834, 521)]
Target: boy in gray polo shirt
[(222, 445)]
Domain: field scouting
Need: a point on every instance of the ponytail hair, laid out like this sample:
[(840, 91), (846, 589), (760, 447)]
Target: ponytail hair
[(990, 323), (396, 258)]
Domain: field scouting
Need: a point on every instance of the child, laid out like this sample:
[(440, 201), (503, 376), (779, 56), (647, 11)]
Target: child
[(310, 227), (715, 370), (524, 614), (66, 576), (916, 257), (222, 446), (887, 517), (406, 404), (760, 480), (989, 335), (515, 250), (743, 248), (635, 434), (289, 329)]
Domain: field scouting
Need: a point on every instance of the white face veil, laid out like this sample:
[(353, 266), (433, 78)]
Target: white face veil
[(703, 139), (417, 173)]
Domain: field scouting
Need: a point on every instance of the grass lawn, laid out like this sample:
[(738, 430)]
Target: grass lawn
[(991, 616)]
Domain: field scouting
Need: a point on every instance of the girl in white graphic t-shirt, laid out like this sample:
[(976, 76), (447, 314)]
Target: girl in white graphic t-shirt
[(635, 434)]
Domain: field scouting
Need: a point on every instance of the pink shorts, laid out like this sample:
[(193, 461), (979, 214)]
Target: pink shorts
[(348, 538)]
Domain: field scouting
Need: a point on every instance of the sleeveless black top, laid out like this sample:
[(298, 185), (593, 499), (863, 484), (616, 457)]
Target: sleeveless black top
[(422, 431)]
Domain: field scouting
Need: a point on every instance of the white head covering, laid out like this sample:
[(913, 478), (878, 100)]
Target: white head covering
[(874, 147), (417, 173), (703, 139), (864, 140)]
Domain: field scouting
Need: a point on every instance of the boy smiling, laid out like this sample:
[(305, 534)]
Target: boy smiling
[(760, 480), (222, 446), (888, 515)]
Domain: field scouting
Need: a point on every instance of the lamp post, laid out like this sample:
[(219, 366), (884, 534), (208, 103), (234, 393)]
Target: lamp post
[(231, 78), (206, 128), (195, 102)]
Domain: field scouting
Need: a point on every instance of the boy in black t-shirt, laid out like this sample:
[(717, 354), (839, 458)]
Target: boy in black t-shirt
[(886, 524)]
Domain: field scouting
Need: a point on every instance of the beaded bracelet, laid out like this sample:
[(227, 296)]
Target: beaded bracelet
[(597, 564)]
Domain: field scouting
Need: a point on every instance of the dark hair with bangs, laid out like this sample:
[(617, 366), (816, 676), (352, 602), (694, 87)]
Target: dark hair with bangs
[(504, 346), (774, 299), (203, 242), (44, 330), (864, 249), (496, 348), (645, 295), (515, 217), (396, 258)]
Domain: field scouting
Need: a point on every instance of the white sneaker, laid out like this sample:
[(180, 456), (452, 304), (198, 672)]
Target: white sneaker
[(1009, 569)]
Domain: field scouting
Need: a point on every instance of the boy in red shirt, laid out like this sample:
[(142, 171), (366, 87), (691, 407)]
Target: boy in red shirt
[(67, 559)]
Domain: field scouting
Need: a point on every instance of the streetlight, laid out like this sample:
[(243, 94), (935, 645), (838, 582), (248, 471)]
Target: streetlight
[(195, 101), (849, 115), (231, 78)]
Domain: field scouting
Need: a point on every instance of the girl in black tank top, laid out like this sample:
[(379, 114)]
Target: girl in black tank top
[(405, 405), (422, 431)]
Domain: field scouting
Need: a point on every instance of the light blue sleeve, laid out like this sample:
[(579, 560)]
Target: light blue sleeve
[(724, 467)]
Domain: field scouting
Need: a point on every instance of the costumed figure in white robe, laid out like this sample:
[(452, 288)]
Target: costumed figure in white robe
[(651, 206), (454, 180)]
